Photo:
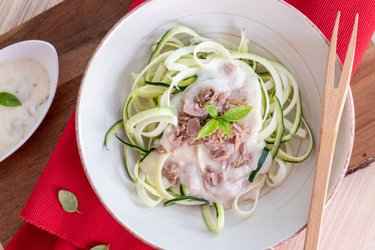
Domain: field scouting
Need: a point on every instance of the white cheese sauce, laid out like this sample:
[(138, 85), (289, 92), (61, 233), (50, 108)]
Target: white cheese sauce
[(193, 159), (29, 81)]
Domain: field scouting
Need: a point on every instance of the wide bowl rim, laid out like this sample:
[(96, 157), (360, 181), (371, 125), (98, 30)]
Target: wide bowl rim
[(77, 119)]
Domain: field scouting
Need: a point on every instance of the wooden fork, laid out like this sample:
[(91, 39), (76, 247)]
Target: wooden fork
[(333, 103)]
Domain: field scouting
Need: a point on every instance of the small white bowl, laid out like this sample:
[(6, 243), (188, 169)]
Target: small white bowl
[(44, 53)]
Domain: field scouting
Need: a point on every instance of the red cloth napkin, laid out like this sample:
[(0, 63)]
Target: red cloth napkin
[(47, 226)]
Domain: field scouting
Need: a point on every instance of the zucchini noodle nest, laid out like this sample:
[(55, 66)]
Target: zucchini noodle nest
[(211, 124)]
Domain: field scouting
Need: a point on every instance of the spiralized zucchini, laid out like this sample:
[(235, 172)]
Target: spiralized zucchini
[(174, 65)]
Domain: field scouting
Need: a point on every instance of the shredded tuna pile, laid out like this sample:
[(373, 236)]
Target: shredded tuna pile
[(194, 116), (190, 121)]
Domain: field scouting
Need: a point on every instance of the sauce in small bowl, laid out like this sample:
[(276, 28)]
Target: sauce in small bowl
[(28, 71)]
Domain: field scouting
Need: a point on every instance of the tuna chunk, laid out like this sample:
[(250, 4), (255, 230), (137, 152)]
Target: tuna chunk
[(212, 177), (220, 155), (176, 140), (218, 137), (245, 157), (236, 98), (229, 68), (216, 144), (171, 172), (193, 127), (220, 101), (196, 107), (193, 109), (206, 96), (159, 148), (236, 102), (187, 130), (238, 134)]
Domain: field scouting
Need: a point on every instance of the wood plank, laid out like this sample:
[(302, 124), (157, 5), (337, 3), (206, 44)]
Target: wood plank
[(13, 13), (364, 102), (349, 221)]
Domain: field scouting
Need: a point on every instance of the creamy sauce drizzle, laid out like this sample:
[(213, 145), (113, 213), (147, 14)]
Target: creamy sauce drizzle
[(28, 80), (193, 159)]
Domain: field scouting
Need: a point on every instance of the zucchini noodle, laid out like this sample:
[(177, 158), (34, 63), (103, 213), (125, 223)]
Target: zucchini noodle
[(164, 106)]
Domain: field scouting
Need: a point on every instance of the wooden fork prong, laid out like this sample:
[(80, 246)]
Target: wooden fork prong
[(349, 59), (330, 74)]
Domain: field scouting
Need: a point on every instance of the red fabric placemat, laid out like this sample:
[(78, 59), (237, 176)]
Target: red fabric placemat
[(94, 225), (47, 226)]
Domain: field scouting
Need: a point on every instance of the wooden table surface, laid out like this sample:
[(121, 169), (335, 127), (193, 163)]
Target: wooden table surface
[(75, 27)]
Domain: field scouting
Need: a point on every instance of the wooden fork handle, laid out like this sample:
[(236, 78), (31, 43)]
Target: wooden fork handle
[(333, 103)]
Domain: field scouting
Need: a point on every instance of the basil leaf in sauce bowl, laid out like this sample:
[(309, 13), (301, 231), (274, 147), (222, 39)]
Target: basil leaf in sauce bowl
[(9, 100)]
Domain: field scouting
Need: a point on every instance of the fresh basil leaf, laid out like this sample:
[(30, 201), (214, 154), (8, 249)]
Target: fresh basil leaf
[(261, 161), (209, 128), (212, 110), (9, 100), (68, 201), (225, 126), (237, 113), (100, 247)]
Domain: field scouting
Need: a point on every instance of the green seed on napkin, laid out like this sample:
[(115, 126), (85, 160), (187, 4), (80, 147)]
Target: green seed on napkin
[(100, 247), (68, 201)]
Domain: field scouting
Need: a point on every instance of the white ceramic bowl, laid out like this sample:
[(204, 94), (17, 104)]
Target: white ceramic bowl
[(44, 53), (276, 30)]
